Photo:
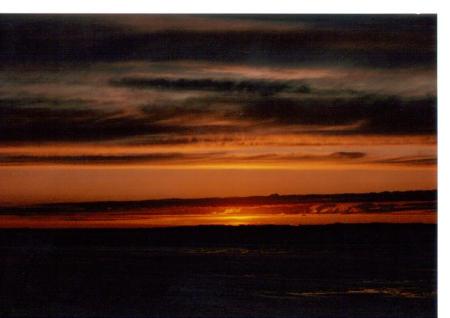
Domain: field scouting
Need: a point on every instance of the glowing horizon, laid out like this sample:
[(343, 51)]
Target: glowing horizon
[(188, 106), (393, 207)]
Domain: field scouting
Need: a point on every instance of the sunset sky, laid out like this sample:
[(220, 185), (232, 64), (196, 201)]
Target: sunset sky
[(117, 107)]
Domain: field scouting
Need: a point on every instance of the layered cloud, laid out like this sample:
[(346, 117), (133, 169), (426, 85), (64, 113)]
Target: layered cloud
[(267, 90), (388, 41), (37, 119)]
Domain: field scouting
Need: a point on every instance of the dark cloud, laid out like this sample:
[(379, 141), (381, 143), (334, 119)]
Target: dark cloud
[(245, 105), (97, 159), (366, 22), (383, 42), (215, 157), (417, 161), (335, 156), (383, 115), (347, 155), (169, 158), (221, 157), (24, 120), (46, 120), (53, 38), (243, 86)]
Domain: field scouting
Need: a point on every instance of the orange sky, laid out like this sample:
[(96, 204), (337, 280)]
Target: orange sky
[(194, 220), (143, 107), (56, 184)]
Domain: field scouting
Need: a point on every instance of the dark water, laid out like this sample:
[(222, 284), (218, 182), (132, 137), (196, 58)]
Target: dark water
[(370, 270)]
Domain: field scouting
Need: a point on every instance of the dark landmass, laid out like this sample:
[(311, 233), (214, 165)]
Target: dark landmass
[(99, 206), (342, 270)]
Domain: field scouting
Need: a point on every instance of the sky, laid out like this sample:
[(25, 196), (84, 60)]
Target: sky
[(133, 107)]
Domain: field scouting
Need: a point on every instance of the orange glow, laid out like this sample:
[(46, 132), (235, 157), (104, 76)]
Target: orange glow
[(194, 220), (129, 108), (58, 184), (306, 213)]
